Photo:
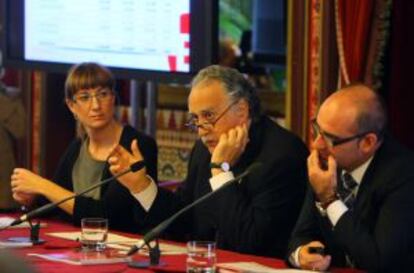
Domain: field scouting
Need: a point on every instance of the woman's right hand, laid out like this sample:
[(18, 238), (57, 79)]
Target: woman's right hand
[(26, 185), (25, 181), (25, 199), (121, 160)]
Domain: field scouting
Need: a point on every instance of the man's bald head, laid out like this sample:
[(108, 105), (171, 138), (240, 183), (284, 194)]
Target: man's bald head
[(364, 104)]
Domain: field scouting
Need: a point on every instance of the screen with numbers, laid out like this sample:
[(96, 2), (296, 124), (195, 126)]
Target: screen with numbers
[(141, 38)]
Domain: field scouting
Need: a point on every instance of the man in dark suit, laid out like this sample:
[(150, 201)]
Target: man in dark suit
[(254, 216), (360, 209)]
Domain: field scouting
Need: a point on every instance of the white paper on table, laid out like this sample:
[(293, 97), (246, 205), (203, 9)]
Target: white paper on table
[(122, 242), (6, 221), (84, 258), (253, 267), (11, 244)]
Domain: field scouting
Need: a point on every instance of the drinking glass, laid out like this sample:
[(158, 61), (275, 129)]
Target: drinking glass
[(94, 232), (201, 257)]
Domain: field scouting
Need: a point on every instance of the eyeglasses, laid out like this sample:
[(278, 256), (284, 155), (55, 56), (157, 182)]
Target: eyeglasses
[(85, 99), (209, 119), (330, 139)]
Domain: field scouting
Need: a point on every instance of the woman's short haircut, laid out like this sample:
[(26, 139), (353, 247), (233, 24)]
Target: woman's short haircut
[(86, 76)]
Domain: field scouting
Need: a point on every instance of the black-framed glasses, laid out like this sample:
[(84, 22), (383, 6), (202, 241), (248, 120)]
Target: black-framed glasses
[(85, 98), (330, 139), (209, 117)]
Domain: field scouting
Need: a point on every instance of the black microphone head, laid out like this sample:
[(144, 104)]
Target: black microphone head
[(132, 250), (137, 166), (16, 222)]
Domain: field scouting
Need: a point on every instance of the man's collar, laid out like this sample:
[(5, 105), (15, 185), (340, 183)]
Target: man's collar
[(359, 172)]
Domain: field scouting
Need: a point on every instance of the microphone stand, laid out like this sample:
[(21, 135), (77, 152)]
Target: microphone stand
[(156, 231), (34, 233), (33, 237)]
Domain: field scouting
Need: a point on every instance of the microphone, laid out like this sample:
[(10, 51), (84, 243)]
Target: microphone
[(153, 233), (43, 209)]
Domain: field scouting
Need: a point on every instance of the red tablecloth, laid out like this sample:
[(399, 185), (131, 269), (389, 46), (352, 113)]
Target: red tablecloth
[(173, 263)]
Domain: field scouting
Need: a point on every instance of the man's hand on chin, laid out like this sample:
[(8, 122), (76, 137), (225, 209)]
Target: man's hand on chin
[(231, 145)]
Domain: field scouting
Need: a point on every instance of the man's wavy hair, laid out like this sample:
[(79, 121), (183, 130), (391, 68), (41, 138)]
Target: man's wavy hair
[(235, 83)]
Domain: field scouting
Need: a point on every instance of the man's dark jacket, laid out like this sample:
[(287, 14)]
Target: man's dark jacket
[(255, 216), (378, 234)]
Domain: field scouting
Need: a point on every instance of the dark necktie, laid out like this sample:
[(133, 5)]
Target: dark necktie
[(346, 192), (346, 189)]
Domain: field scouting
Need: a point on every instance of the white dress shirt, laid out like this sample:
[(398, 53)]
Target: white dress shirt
[(147, 196)]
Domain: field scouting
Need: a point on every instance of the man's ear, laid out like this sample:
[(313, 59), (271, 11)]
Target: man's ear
[(243, 109), (369, 143)]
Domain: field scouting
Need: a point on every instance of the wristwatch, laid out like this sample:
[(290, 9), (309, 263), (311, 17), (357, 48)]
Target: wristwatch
[(322, 206), (224, 166)]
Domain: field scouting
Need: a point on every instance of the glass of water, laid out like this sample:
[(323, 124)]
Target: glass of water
[(201, 257), (94, 232)]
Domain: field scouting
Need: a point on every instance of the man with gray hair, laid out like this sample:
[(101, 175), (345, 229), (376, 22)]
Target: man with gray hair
[(255, 216)]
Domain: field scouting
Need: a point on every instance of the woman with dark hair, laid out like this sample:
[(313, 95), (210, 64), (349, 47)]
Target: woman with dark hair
[(90, 96)]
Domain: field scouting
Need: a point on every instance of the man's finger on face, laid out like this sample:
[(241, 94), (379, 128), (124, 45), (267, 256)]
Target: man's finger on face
[(316, 161), (316, 157), (232, 135), (331, 164), (240, 135), (311, 159), (224, 139), (238, 138)]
